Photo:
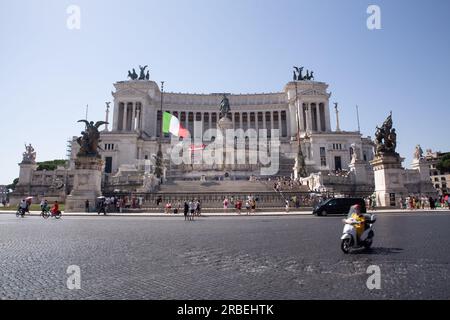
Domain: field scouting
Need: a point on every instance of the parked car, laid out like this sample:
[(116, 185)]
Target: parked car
[(339, 206)]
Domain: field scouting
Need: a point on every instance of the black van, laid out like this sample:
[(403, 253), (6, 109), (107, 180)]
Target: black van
[(338, 206)]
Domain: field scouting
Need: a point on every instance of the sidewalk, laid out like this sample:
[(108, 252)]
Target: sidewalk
[(228, 214), (153, 214)]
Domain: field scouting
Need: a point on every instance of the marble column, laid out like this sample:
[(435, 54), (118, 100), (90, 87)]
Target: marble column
[(133, 116), (125, 116), (115, 125), (300, 125), (272, 123), (209, 120), (308, 117), (264, 120), (280, 123)]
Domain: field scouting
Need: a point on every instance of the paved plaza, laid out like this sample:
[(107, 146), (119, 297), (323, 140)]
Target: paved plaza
[(259, 257)]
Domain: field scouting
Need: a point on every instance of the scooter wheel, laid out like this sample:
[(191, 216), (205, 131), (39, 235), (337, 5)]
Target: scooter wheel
[(345, 245)]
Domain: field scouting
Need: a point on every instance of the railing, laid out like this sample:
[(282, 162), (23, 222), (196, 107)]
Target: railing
[(215, 200)]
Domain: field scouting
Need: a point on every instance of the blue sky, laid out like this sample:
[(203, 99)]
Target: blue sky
[(49, 73)]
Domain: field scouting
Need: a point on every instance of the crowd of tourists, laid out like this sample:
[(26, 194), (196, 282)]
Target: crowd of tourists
[(115, 204), (248, 204), (191, 208), (285, 184), (421, 202)]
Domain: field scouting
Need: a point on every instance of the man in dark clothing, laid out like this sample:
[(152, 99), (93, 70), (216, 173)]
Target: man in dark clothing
[(102, 207), (86, 206), (186, 210)]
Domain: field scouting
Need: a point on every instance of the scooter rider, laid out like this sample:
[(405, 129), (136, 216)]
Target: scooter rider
[(358, 217)]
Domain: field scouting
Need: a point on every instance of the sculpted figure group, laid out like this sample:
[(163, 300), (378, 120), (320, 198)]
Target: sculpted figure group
[(298, 74), (89, 141), (142, 76), (386, 137)]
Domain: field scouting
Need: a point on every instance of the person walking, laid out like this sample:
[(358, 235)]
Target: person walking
[(287, 205), (247, 206), (198, 208), (253, 205), (86, 206), (238, 206), (191, 210), (432, 204), (225, 205), (102, 207), (186, 210)]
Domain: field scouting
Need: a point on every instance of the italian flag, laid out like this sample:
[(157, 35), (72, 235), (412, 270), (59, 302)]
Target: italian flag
[(171, 124)]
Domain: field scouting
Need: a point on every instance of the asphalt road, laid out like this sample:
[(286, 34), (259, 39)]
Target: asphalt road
[(293, 257)]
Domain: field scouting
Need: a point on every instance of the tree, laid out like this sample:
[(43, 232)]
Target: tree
[(12, 186), (50, 165), (444, 164)]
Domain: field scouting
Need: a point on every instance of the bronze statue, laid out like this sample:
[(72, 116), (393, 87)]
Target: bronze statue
[(132, 75), (142, 75), (224, 107), (147, 76), (392, 139), (386, 137), (89, 141), (307, 77), (29, 156), (299, 76), (379, 136)]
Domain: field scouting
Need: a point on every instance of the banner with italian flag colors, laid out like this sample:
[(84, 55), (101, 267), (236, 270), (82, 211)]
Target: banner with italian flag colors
[(171, 124)]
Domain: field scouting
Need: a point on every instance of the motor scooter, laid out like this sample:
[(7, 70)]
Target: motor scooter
[(349, 239)]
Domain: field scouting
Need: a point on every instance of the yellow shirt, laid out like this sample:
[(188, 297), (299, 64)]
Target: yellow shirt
[(359, 227)]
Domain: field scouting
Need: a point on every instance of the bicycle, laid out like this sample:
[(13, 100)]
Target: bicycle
[(20, 212), (46, 213)]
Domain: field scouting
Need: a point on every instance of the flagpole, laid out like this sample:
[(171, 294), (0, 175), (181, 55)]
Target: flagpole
[(357, 115), (159, 155)]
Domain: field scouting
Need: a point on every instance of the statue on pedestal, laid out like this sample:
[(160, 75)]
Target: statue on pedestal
[(132, 75), (29, 156), (224, 107), (418, 153), (89, 141), (142, 74), (298, 74), (386, 137), (355, 153)]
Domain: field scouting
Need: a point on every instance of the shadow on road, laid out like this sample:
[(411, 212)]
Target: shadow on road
[(379, 251)]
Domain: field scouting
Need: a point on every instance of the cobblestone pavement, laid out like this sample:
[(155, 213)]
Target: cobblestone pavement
[(291, 257)]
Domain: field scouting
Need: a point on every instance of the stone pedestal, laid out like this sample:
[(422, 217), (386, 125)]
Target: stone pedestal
[(23, 188), (424, 186), (423, 168), (223, 125), (86, 185), (359, 171), (26, 173), (389, 180)]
